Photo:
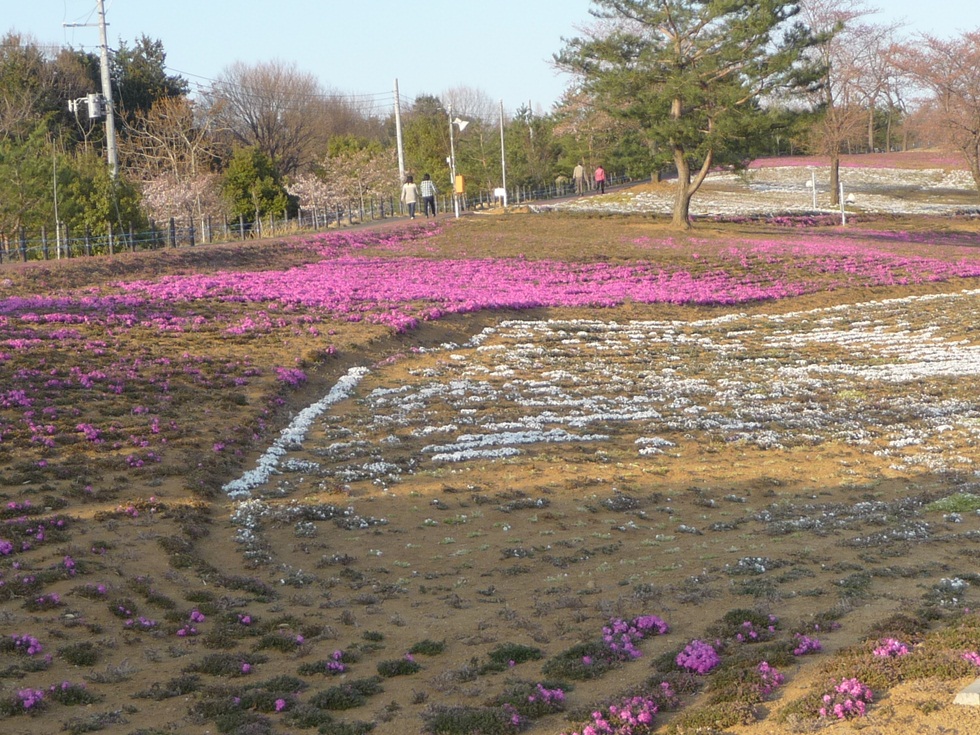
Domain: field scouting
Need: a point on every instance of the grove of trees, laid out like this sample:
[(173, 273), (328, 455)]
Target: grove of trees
[(662, 88)]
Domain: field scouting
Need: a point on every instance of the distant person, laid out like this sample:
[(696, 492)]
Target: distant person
[(600, 179), (410, 195), (578, 175), (428, 191)]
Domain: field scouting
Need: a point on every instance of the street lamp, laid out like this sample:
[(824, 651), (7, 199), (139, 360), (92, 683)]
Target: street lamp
[(461, 124)]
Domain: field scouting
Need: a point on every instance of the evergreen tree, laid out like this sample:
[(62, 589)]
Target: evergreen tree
[(692, 73), (252, 185)]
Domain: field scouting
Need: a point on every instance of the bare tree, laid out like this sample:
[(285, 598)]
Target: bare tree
[(273, 106), (176, 136), (876, 77), (950, 70), (841, 95), (172, 148)]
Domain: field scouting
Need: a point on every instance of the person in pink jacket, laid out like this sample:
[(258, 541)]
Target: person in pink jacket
[(600, 179)]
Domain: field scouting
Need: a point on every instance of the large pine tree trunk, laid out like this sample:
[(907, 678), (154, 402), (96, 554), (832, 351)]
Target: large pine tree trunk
[(682, 194)]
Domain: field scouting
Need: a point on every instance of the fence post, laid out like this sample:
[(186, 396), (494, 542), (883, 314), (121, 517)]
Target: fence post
[(132, 239), (23, 244), (173, 233), (112, 243), (153, 235), (44, 241), (88, 241), (210, 231), (191, 232)]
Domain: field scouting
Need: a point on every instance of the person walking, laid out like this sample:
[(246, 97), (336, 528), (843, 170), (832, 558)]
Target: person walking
[(410, 195), (428, 191), (578, 175), (600, 179)]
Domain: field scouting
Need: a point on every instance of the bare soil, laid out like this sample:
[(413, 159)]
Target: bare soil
[(540, 548)]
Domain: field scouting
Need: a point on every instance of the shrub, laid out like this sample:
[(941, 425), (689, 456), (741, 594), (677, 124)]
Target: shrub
[(176, 687), (398, 667), (464, 720), (336, 664), (509, 654), (72, 694), (347, 696), (226, 664), (428, 648), (580, 662), (80, 654), (532, 700)]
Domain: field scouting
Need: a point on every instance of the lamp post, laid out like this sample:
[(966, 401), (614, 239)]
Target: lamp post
[(452, 156)]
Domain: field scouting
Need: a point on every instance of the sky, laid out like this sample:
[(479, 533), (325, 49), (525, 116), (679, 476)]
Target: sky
[(502, 48)]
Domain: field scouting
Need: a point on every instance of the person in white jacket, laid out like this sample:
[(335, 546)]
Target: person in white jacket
[(410, 195)]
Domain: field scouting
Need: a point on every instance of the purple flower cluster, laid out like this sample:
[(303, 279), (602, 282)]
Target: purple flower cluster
[(621, 636), (552, 697), (140, 623), (805, 644), (699, 657), (769, 679), (290, 376), (31, 699), (891, 648), (848, 699), (27, 644), (972, 657), (748, 633), (335, 664), (632, 716)]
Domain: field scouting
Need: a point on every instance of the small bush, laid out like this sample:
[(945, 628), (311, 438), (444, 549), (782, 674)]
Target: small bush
[(347, 696), (462, 720), (72, 694), (176, 687), (428, 648), (532, 701), (398, 667), (580, 663), (510, 654), (80, 654), (226, 664)]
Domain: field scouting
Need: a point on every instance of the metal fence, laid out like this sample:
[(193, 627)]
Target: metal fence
[(61, 242)]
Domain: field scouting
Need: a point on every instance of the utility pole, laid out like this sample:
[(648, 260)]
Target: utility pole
[(398, 136), (503, 156), (110, 118)]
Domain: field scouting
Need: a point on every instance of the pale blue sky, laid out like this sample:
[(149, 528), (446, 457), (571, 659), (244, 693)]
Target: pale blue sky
[(500, 47)]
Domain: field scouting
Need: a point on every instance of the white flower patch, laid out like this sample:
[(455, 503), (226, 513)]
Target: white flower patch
[(465, 455), (293, 435), (876, 376)]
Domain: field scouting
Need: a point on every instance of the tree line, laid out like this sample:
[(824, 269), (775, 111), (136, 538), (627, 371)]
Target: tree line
[(659, 87)]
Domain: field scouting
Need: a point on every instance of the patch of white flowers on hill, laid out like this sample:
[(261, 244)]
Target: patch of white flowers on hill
[(292, 436), (787, 190), (892, 379)]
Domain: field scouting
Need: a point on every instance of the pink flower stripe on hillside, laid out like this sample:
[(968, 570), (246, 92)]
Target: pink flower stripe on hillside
[(398, 291)]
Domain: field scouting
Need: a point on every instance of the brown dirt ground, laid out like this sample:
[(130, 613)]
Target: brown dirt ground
[(409, 581)]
